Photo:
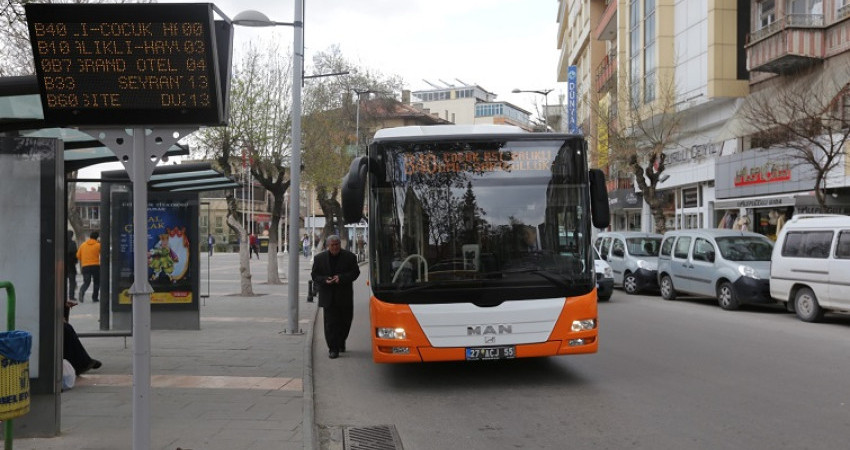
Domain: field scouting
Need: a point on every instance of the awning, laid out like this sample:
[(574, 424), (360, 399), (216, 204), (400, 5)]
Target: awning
[(764, 201), (179, 178)]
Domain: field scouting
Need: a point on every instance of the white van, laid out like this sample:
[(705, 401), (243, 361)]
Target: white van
[(810, 265), (731, 265)]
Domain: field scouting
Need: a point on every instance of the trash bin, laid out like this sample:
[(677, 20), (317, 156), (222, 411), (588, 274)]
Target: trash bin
[(15, 348)]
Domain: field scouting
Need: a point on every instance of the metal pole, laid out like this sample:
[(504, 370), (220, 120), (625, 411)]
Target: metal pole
[(357, 123), (140, 292), (546, 112), (312, 222), (295, 185)]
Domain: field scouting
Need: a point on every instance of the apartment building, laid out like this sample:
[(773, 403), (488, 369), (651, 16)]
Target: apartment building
[(466, 104), (717, 56)]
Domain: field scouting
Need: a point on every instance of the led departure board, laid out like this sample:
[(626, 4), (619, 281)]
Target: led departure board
[(128, 64)]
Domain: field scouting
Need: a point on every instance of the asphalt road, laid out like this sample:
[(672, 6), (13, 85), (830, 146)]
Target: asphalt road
[(678, 374)]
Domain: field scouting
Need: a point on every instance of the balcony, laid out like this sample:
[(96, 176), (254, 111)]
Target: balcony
[(606, 72), (791, 43), (606, 30)]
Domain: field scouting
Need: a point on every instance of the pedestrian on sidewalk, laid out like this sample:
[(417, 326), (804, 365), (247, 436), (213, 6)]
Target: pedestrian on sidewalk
[(89, 256), (254, 246), (72, 348), (333, 274), (210, 243)]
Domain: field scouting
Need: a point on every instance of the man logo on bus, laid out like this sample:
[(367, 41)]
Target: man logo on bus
[(478, 330)]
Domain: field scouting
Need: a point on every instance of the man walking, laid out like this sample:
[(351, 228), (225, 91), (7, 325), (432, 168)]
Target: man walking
[(89, 256), (210, 243), (254, 246), (333, 274)]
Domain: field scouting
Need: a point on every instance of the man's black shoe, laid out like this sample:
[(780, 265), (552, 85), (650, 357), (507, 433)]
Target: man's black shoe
[(333, 354), (342, 349), (93, 364)]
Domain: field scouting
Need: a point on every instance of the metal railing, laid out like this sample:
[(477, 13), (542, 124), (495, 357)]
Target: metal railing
[(790, 20)]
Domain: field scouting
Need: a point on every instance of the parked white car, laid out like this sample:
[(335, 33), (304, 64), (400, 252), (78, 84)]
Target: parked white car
[(733, 266), (810, 265), (633, 257), (604, 278)]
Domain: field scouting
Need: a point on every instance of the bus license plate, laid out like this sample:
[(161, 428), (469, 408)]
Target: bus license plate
[(488, 353)]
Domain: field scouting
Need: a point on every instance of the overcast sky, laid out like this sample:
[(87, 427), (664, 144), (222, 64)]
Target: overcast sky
[(497, 44)]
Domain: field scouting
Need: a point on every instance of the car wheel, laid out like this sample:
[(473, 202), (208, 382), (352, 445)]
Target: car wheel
[(667, 290), (630, 283), (807, 307), (604, 299), (726, 297)]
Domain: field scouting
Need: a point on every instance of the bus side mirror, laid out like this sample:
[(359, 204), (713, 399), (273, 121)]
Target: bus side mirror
[(353, 190), (599, 199)]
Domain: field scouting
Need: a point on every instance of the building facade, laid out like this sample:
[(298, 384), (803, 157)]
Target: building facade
[(470, 105), (717, 56)]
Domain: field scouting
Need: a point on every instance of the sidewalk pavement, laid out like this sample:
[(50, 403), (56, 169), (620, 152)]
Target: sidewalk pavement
[(240, 382)]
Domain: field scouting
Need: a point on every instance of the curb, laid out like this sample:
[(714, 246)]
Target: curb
[(309, 429)]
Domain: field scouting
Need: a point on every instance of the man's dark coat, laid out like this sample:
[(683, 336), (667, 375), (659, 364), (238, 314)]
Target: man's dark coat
[(346, 268)]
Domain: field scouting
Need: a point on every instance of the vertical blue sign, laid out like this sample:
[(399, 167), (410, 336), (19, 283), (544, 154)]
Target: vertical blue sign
[(572, 99)]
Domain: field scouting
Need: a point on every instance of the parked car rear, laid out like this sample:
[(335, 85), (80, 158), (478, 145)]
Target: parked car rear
[(732, 266), (810, 265), (604, 278)]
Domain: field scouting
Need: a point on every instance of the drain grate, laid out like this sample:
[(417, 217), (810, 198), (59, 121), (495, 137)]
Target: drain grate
[(377, 437)]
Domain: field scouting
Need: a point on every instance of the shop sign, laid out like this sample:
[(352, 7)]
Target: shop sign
[(692, 153), (769, 172), (755, 202), (624, 198)]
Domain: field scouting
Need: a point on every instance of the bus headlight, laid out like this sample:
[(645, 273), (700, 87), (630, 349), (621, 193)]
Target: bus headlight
[(584, 325), (391, 333)]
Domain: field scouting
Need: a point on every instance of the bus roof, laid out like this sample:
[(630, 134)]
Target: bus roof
[(445, 131)]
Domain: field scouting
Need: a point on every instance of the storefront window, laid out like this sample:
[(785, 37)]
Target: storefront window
[(634, 221)]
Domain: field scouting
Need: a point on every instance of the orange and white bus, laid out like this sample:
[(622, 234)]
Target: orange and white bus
[(479, 242)]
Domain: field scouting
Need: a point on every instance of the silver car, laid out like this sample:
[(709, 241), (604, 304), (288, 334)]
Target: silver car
[(733, 266), (633, 257)]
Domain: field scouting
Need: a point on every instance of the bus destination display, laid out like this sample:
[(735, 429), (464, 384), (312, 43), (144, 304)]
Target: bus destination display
[(125, 64)]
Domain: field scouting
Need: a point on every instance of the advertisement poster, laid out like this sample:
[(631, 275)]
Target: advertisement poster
[(169, 250)]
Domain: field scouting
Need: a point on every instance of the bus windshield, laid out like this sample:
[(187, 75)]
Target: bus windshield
[(482, 220)]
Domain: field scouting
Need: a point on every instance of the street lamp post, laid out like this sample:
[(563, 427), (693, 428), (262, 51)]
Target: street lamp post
[(545, 94), (357, 115), (257, 19)]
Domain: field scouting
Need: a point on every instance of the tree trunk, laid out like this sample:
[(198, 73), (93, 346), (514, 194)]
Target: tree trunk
[(246, 289), (273, 273), (74, 218)]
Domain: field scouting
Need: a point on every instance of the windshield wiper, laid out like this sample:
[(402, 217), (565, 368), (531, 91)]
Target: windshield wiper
[(556, 278)]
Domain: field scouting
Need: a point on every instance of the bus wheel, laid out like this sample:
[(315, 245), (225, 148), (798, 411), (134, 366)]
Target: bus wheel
[(630, 283), (726, 297), (807, 307), (667, 291)]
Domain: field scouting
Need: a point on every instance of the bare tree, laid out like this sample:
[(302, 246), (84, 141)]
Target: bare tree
[(330, 128), (639, 128), (807, 114), (267, 132)]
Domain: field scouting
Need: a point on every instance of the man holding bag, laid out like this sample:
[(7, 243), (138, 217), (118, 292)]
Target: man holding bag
[(333, 274)]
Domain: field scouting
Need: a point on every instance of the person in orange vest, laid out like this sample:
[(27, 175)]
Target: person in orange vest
[(89, 256)]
